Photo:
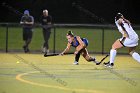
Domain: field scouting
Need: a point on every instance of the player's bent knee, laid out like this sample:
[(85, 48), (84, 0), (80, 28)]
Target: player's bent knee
[(114, 47)]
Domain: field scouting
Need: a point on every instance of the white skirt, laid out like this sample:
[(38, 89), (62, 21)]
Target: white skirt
[(127, 42)]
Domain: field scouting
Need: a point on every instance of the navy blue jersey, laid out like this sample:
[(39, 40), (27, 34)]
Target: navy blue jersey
[(76, 43)]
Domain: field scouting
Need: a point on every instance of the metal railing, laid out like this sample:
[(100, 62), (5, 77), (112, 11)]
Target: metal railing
[(102, 43)]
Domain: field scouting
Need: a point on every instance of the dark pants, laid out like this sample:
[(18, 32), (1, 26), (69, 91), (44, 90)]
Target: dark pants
[(27, 36), (46, 34)]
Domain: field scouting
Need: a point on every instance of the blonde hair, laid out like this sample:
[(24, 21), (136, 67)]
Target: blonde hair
[(70, 33)]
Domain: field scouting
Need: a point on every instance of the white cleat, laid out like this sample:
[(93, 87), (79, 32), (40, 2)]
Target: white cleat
[(109, 65), (75, 63)]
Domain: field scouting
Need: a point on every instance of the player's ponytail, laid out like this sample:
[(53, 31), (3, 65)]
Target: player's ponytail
[(70, 33)]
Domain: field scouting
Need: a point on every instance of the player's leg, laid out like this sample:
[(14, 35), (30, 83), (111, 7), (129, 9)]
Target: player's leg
[(134, 54), (131, 44), (77, 56), (117, 44), (87, 57)]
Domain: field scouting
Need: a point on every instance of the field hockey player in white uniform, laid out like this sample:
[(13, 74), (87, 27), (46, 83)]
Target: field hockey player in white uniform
[(129, 39)]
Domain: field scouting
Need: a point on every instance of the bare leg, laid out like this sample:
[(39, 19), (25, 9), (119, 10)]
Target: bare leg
[(87, 57), (134, 54), (113, 51)]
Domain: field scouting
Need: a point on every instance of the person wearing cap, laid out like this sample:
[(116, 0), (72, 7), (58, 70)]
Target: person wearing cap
[(46, 22), (80, 45), (27, 22), (129, 39)]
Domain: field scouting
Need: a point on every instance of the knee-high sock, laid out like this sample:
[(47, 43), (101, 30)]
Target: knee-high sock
[(112, 55), (77, 57), (136, 56)]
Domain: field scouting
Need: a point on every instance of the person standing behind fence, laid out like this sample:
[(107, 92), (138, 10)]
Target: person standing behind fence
[(46, 21), (27, 22)]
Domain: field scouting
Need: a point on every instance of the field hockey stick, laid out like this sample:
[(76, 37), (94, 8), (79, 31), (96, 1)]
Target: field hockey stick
[(55, 54), (47, 55), (103, 59)]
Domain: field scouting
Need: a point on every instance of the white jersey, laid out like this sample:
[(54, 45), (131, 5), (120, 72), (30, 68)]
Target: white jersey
[(132, 39), (128, 28)]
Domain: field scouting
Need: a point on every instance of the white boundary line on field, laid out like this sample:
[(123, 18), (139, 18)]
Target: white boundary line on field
[(19, 77)]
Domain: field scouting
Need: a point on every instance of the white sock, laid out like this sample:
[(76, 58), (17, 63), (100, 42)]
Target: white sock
[(112, 55), (136, 56)]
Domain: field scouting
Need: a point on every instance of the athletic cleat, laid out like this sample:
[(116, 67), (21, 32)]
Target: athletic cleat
[(94, 59), (109, 65), (75, 63), (96, 62)]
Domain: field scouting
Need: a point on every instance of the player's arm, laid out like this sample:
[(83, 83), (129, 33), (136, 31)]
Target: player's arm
[(80, 46), (66, 49), (127, 21), (121, 24)]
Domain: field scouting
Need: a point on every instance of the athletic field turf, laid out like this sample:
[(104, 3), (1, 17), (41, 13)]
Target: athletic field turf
[(33, 73)]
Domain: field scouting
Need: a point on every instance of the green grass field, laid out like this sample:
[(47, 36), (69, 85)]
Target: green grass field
[(33, 73), (94, 36)]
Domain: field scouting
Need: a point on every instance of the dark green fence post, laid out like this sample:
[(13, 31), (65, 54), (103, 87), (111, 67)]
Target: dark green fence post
[(54, 40), (6, 37), (103, 41)]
